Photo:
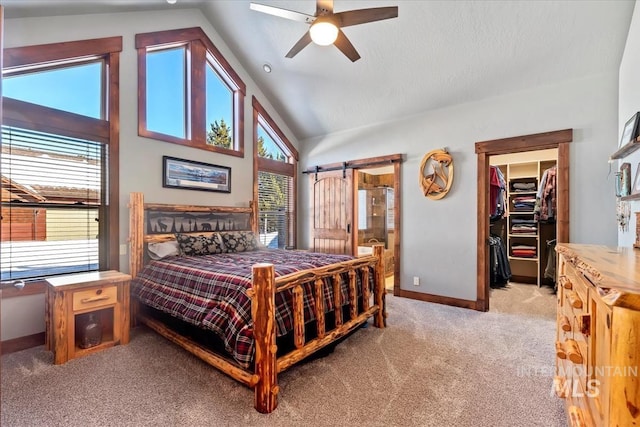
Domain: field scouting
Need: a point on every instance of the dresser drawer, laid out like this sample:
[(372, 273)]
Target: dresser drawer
[(95, 298)]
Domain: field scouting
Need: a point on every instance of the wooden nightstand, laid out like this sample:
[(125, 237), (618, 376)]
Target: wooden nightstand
[(70, 299)]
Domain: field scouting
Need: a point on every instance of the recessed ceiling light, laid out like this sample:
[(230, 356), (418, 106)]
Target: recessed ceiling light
[(172, 1), (266, 67)]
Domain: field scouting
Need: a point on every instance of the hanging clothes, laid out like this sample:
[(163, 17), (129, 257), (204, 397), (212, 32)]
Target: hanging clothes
[(545, 206), (499, 268), (497, 193)]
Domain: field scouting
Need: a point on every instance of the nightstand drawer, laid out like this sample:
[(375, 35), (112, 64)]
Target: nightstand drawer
[(94, 298)]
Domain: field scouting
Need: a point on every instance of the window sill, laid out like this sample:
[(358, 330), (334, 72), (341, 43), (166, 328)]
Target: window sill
[(31, 288)]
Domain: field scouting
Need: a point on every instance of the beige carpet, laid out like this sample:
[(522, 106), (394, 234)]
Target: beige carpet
[(525, 299), (433, 366)]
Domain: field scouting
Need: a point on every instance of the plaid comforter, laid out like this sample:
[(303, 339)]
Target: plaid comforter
[(210, 292)]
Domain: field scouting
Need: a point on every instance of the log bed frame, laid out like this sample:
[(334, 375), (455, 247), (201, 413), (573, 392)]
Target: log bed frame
[(264, 378)]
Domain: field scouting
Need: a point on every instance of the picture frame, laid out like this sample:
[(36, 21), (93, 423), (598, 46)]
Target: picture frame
[(625, 179), (193, 175), (635, 188), (630, 131)]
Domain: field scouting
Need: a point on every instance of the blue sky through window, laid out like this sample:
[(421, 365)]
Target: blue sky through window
[(219, 101), (166, 91), (76, 89)]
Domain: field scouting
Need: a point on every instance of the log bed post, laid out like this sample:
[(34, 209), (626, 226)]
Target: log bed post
[(379, 290), (136, 245), (263, 308)]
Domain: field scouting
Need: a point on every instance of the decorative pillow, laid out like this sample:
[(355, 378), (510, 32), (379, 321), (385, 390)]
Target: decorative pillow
[(239, 241), (164, 249), (199, 245)]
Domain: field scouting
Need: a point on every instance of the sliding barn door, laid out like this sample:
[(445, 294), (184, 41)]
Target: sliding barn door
[(332, 211)]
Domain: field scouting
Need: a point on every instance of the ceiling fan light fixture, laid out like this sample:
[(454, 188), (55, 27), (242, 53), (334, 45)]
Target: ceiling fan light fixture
[(323, 33)]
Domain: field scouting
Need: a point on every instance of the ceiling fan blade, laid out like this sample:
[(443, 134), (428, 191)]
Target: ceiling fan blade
[(345, 46), (283, 13), (301, 44), (362, 16), (324, 7)]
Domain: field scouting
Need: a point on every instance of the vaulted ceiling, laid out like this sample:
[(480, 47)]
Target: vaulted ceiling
[(435, 54)]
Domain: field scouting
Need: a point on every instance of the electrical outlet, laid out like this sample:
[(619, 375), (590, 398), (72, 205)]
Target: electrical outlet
[(416, 281), (123, 249)]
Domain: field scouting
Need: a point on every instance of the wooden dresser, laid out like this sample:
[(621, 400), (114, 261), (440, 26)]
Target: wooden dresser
[(598, 337)]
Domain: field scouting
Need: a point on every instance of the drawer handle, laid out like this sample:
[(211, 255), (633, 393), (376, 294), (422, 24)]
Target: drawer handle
[(94, 299), (560, 351), (565, 325), (566, 283), (573, 352), (574, 300)]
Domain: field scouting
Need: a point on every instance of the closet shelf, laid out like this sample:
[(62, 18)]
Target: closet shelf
[(521, 213), (523, 235), (523, 258)]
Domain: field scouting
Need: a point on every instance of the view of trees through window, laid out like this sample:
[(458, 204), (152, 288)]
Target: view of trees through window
[(220, 134), (275, 195), (192, 96)]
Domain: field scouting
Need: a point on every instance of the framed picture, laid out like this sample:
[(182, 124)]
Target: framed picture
[(635, 188), (192, 175), (630, 131), (625, 179)]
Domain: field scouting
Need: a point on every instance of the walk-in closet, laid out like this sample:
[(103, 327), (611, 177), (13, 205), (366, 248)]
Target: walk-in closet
[(522, 206)]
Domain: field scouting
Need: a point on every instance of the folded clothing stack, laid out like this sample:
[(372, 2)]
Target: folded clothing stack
[(523, 251), (524, 203), (523, 186), (523, 226)]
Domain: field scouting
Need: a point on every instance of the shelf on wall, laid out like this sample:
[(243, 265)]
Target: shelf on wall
[(630, 197), (626, 149)]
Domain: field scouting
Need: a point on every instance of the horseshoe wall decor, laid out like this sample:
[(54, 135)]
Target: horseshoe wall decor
[(436, 174)]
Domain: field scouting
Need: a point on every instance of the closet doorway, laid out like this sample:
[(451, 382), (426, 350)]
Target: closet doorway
[(558, 140), (356, 204)]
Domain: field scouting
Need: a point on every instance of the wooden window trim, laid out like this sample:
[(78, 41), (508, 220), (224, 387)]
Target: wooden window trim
[(257, 108), (199, 45), (38, 54), (109, 49), (269, 165)]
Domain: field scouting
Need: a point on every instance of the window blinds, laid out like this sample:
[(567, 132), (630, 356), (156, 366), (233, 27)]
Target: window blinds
[(52, 192), (275, 206)]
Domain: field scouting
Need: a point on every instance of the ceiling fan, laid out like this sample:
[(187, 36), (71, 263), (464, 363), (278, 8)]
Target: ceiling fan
[(326, 25)]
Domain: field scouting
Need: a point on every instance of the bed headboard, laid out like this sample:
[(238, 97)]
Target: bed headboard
[(156, 222)]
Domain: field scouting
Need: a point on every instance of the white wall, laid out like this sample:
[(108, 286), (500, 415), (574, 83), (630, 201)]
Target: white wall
[(629, 104), (141, 158), (438, 241)]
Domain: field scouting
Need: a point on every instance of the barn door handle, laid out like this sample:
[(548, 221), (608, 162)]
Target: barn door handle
[(348, 228)]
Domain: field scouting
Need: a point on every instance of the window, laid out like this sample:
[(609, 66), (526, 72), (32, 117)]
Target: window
[(275, 162), (59, 157), (191, 95), (52, 194)]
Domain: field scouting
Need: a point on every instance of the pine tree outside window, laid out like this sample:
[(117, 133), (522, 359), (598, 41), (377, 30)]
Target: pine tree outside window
[(275, 161), (190, 93)]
